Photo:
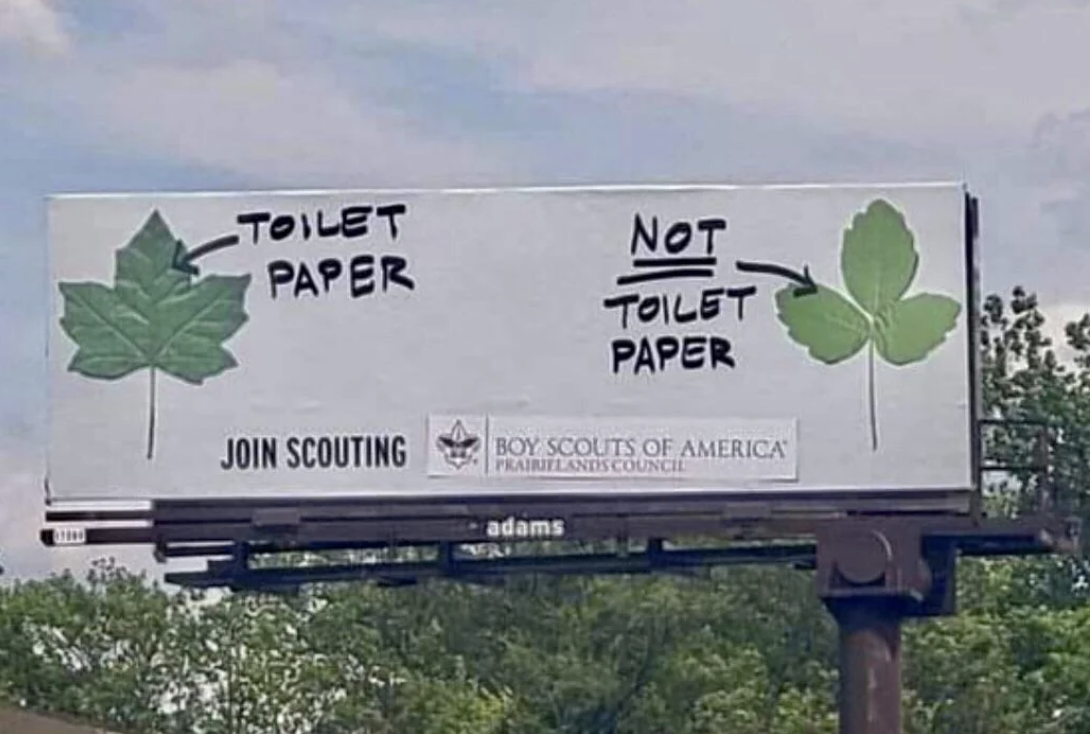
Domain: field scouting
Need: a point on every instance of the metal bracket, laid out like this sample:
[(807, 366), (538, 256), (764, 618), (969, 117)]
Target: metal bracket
[(910, 563), (873, 574), (1045, 497), (890, 562)]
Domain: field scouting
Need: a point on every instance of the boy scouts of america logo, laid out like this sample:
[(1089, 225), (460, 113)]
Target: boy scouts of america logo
[(458, 446)]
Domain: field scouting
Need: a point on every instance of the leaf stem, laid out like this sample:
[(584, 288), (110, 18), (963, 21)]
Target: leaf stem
[(151, 413), (872, 402)]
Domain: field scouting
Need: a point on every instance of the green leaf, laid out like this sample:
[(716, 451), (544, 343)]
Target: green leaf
[(155, 316), (110, 333), (826, 323), (909, 330), (145, 274), (878, 257), (193, 324)]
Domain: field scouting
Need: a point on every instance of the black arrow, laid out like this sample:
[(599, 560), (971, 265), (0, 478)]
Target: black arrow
[(807, 286), (184, 260)]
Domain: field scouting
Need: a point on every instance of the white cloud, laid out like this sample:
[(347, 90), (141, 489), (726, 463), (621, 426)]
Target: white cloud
[(932, 72), (1057, 317), (924, 69), (22, 516), (235, 87), (21, 503), (34, 24), (1061, 144), (270, 124)]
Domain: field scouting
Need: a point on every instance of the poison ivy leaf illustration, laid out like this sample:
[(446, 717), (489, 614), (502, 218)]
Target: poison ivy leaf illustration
[(878, 261), (909, 330), (878, 258), (830, 326), (155, 317)]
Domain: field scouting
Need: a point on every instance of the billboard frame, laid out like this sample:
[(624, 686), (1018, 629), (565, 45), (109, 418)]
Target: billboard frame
[(384, 520), (907, 495)]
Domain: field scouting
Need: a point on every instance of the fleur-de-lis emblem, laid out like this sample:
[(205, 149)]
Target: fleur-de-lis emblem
[(459, 446)]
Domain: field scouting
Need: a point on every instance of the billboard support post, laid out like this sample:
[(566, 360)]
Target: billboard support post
[(870, 667), (872, 576)]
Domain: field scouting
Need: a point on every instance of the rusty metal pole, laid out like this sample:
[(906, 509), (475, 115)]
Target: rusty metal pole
[(871, 576), (870, 666)]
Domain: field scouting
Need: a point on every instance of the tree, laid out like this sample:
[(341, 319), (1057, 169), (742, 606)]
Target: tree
[(101, 648), (1024, 380)]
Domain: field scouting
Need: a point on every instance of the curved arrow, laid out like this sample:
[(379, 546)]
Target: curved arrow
[(183, 260), (806, 284)]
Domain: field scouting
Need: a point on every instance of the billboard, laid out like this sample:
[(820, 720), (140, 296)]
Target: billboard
[(511, 341)]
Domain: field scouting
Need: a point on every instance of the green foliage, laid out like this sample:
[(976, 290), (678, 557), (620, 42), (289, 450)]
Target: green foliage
[(102, 648), (965, 676), (909, 330), (825, 322), (155, 317), (744, 651), (878, 261), (1025, 380), (878, 258)]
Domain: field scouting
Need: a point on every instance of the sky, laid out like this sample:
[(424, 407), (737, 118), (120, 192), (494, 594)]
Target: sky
[(126, 95)]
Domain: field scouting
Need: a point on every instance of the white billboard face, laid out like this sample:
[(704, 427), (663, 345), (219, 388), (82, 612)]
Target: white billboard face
[(363, 343)]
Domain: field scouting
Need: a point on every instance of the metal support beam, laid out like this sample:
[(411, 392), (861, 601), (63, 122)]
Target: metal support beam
[(236, 573), (870, 665), (872, 576)]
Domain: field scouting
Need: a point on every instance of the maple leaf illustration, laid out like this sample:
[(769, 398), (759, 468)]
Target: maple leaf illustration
[(157, 316)]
